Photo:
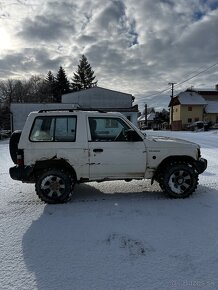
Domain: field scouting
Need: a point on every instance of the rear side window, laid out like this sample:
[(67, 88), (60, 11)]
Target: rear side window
[(54, 129)]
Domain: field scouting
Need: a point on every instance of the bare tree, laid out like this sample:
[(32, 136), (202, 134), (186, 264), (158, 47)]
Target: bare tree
[(7, 90)]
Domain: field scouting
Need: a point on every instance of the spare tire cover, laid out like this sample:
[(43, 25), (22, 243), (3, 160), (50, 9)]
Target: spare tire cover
[(13, 145)]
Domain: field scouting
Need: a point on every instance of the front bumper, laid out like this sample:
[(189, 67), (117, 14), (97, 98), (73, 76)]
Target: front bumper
[(200, 165), (22, 173)]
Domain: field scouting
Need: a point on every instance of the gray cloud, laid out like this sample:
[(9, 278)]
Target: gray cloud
[(27, 62), (112, 14), (132, 48), (44, 28)]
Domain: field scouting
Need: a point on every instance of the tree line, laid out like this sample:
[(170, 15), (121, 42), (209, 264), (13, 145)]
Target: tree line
[(38, 89)]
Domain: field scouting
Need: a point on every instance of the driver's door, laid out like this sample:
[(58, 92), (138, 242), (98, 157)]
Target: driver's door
[(111, 154)]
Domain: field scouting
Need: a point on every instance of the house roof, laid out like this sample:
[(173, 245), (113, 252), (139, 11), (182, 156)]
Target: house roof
[(150, 117), (188, 98), (212, 107), (141, 118), (97, 88), (205, 90), (191, 98)]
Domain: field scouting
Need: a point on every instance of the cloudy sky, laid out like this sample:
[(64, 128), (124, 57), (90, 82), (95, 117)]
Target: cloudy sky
[(134, 46)]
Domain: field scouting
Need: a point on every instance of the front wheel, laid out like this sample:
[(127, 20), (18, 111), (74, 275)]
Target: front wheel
[(178, 180), (54, 186)]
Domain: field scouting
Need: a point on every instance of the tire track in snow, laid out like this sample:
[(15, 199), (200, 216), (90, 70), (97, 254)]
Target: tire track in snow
[(210, 184)]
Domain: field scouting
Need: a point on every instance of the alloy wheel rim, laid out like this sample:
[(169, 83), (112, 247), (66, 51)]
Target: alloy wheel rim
[(180, 181), (53, 186)]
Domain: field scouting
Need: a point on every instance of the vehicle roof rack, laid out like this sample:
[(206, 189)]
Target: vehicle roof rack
[(71, 110)]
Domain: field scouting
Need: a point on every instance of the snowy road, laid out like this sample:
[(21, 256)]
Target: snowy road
[(112, 235)]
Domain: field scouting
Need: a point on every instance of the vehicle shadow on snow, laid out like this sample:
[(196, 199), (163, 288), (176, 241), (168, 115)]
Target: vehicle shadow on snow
[(111, 191), (78, 244), (126, 191)]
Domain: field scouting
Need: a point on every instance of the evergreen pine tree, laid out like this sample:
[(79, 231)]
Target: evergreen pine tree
[(62, 84), (51, 86), (84, 77), (50, 77)]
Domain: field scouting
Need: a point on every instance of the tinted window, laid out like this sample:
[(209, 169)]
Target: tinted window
[(54, 129)]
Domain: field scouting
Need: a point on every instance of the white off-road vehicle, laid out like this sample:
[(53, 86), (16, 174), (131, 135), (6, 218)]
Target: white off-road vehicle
[(57, 149)]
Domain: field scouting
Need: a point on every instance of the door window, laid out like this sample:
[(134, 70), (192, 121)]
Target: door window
[(108, 129)]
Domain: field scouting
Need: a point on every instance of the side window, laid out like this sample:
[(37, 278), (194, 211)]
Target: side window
[(108, 129), (43, 129), (54, 129), (65, 129)]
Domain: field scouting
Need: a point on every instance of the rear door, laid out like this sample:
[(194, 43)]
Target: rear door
[(59, 137)]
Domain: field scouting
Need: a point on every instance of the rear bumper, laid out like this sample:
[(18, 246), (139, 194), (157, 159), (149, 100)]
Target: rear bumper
[(200, 165), (22, 173)]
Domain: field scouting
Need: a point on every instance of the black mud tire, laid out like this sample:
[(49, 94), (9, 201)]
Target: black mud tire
[(54, 186), (178, 180), (13, 145)]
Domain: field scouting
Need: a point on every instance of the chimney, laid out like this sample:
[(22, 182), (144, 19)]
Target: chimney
[(216, 87)]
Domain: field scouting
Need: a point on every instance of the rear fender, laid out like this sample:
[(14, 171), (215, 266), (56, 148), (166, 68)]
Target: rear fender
[(54, 163)]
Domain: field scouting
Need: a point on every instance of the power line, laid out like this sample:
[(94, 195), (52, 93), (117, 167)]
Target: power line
[(188, 79), (182, 82)]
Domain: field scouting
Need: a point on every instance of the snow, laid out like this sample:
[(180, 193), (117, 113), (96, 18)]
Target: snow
[(191, 98), (150, 117), (212, 107), (205, 89), (112, 235)]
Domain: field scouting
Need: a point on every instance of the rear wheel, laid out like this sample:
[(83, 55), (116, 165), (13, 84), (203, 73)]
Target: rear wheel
[(179, 180), (54, 186)]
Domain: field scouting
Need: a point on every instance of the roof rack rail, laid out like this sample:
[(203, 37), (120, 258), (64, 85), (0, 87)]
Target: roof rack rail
[(71, 110)]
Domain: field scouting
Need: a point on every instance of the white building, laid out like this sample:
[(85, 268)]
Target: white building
[(95, 98), (104, 99)]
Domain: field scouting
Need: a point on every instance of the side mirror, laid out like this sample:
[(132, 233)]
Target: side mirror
[(133, 136)]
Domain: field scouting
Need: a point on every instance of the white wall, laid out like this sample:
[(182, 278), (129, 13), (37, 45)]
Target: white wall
[(99, 98), (19, 112)]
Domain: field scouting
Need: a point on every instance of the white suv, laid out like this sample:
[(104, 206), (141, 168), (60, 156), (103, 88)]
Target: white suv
[(57, 149)]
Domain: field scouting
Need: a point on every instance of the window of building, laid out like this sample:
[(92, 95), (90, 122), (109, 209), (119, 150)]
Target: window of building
[(189, 120), (196, 119), (189, 108)]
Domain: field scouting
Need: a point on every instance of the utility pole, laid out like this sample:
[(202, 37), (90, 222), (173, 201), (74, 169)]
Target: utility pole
[(146, 115), (171, 111)]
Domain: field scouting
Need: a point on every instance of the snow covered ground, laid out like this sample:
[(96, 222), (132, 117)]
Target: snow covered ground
[(112, 235)]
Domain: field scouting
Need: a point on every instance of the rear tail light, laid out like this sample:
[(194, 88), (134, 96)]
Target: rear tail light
[(20, 159)]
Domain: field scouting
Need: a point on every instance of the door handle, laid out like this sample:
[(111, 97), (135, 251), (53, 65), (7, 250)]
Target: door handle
[(98, 150)]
